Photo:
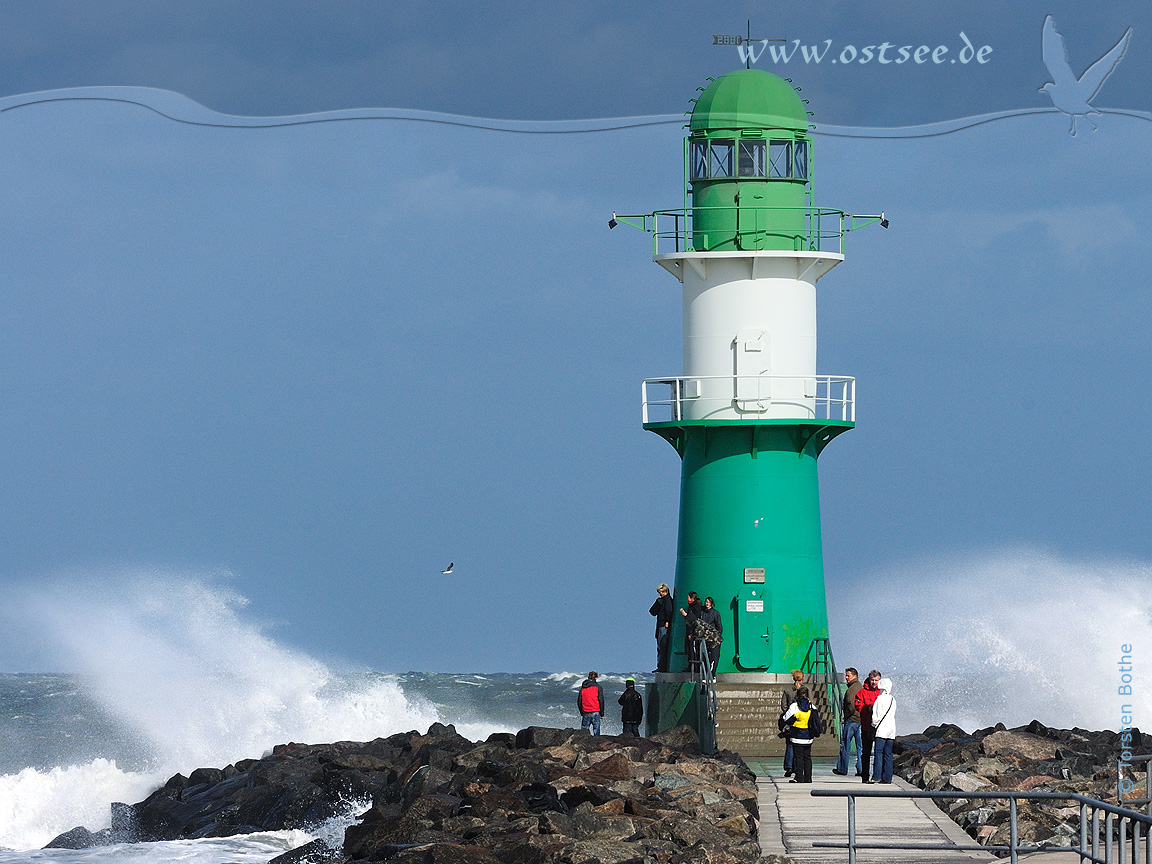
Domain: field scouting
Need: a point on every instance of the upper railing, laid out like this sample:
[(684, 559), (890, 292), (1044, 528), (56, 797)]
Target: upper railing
[(811, 229), (751, 397)]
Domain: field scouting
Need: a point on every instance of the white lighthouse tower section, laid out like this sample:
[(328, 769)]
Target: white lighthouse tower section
[(749, 332)]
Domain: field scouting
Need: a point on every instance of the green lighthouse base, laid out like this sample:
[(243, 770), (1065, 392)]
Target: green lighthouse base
[(749, 538)]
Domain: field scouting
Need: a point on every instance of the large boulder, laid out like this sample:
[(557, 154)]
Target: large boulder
[(1020, 745)]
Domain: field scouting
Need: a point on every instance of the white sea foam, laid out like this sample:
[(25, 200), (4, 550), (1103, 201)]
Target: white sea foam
[(175, 661), (242, 849), (1007, 637), (37, 805), (561, 677)]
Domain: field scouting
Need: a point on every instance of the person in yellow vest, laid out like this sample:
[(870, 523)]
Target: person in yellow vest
[(802, 726)]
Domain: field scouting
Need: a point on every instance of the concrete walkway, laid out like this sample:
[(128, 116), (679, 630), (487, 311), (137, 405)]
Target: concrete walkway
[(791, 820)]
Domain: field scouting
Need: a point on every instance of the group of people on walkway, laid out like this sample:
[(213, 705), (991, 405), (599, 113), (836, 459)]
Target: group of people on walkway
[(590, 703), (870, 725), (703, 627)]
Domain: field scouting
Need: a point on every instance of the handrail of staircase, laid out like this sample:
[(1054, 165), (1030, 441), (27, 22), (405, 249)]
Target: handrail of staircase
[(821, 666), (708, 685)]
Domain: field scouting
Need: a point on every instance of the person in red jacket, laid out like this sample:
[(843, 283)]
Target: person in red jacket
[(865, 699), (590, 702)]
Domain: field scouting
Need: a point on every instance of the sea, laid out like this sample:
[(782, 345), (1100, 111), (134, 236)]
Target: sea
[(156, 687)]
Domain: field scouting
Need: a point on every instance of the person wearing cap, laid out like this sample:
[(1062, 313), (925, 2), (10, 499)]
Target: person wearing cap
[(631, 708)]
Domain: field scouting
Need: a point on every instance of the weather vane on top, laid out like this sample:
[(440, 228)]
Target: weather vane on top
[(749, 54)]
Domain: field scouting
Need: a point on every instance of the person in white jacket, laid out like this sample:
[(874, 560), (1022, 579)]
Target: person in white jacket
[(884, 722)]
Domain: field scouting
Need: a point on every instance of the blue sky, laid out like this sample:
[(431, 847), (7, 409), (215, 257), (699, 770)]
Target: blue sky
[(318, 363)]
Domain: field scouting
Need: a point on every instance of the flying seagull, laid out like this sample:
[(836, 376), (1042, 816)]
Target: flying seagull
[(449, 568), (1070, 94)]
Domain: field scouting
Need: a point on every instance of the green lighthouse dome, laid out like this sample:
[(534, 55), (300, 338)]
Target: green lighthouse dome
[(748, 161), (749, 99)]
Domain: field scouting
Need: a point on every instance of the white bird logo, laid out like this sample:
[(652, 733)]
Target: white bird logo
[(448, 569), (1070, 94)]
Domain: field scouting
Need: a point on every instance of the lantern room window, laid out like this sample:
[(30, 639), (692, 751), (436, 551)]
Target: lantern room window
[(800, 160), (752, 159), (780, 159), (699, 160), (721, 162)]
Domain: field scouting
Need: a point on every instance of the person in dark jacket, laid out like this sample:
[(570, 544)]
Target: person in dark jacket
[(662, 609), (710, 616), (787, 698), (850, 728), (590, 703), (631, 708), (690, 615), (865, 699)]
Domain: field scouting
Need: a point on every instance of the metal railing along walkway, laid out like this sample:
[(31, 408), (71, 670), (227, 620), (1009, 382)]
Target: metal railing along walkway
[(1123, 838)]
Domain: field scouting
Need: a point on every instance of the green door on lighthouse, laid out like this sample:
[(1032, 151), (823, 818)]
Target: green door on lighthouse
[(752, 616)]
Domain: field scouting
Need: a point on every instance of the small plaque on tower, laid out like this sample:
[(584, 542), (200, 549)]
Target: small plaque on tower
[(753, 575)]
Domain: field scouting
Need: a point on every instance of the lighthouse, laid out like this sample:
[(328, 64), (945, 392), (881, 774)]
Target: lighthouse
[(751, 414)]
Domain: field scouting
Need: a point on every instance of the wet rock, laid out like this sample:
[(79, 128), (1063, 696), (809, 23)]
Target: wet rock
[(316, 852), (79, 838)]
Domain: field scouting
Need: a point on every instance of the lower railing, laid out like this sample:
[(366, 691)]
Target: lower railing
[(1120, 836), (708, 699), (751, 397)]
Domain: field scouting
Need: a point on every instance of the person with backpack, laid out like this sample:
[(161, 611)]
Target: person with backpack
[(787, 699), (710, 631), (884, 722), (590, 703), (803, 725), (631, 708)]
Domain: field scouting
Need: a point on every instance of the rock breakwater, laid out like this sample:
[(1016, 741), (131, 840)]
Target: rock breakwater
[(541, 796), (1026, 758)]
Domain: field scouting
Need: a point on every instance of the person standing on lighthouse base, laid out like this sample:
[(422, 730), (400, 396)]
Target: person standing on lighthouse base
[(662, 609)]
